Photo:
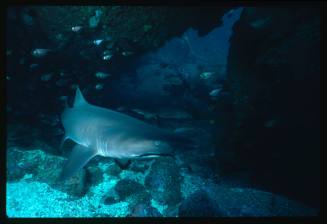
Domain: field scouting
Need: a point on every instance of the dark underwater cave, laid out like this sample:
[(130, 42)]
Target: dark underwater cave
[(266, 114)]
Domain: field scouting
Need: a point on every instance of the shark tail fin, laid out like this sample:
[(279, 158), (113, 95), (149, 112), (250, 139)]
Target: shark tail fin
[(79, 98), (76, 161)]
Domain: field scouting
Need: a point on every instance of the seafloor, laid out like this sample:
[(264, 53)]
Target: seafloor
[(184, 186)]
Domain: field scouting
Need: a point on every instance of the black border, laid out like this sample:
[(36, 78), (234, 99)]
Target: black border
[(4, 219)]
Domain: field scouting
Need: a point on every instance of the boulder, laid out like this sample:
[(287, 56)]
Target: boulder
[(132, 191), (274, 80), (163, 181), (36, 165), (127, 187), (199, 204), (144, 210)]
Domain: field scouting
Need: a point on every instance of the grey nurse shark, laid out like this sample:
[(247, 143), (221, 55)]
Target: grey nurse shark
[(104, 132)]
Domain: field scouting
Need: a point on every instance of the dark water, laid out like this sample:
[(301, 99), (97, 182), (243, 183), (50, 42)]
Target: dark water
[(242, 83)]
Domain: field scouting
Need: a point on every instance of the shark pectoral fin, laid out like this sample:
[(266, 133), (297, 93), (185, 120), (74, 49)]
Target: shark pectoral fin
[(64, 138), (123, 163), (77, 159)]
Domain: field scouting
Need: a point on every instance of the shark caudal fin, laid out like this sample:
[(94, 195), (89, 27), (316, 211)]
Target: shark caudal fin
[(76, 161)]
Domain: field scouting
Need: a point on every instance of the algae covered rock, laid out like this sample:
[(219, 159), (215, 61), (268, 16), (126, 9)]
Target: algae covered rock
[(17, 167), (36, 165), (111, 197), (199, 204), (113, 169), (249, 202), (163, 181), (100, 166), (132, 191), (95, 174), (144, 210), (146, 26), (127, 187)]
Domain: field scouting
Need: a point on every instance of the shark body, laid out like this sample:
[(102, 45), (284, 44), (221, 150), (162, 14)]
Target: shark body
[(104, 132)]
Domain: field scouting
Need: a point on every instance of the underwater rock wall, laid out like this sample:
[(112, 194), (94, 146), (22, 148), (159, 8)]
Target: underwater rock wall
[(146, 26), (273, 76)]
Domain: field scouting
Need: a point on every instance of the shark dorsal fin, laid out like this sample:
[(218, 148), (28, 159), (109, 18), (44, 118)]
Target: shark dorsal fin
[(79, 99)]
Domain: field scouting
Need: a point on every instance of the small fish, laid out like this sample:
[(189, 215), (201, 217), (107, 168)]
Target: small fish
[(215, 92), (9, 52), (27, 19), (147, 27), (76, 28), (8, 77), (206, 75), (98, 13), (97, 42), (63, 98), (146, 115), (127, 53), (174, 80), (73, 87), (259, 23), (101, 75), (32, 66), (106, 52), (120, 109), (107, 57), (46, 77), (98, 86), (59, 36), (40, 52)]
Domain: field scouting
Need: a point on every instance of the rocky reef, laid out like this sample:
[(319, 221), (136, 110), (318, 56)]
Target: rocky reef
[(147, 27), (164, 189), (273, 77)]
